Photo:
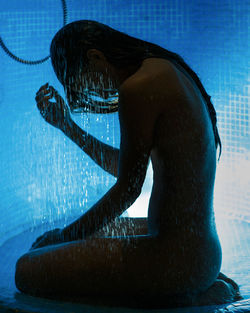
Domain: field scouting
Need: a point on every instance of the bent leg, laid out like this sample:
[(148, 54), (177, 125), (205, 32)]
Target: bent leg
[(97, 266), (118, 266)]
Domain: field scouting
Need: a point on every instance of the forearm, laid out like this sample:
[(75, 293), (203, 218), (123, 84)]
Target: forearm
[(110, 206), (104, 155)]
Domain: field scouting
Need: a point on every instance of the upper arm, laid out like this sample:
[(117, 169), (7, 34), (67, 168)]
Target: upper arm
[(137, 116)]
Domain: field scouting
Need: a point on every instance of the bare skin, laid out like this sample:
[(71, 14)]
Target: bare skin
[(176, 251)]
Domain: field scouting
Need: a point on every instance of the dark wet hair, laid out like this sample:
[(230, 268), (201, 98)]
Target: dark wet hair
[(70, 44)]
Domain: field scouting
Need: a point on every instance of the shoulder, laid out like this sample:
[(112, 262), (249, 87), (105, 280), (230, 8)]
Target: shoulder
[(133, 82), (135, 96), (153, 73), (137, 107), (154, 85)]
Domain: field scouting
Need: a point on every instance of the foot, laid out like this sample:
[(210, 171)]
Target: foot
[(223, 290), (233, 283)]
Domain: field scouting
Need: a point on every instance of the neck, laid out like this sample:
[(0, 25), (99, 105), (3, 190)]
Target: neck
[(123, 74)]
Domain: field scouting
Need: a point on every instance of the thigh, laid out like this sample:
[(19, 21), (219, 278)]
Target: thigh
[(95, 266)]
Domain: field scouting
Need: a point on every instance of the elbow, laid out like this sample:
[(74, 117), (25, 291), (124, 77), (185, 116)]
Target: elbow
[(115, 172), (132, 195), (130, 191), (125, 196), (135, 192)]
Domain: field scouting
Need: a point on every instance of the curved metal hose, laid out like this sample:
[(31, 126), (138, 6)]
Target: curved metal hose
[(10, 54)]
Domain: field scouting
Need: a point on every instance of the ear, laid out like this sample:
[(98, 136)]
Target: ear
[(95, 55)]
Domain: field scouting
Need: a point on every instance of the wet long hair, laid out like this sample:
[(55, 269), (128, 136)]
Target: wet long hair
[(69, 48)]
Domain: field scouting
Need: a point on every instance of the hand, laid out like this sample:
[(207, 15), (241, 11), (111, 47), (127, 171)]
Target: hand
[(55, 113), (51, 237)]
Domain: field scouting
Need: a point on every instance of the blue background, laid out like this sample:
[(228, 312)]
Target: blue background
[(47, 181), (46, 178)]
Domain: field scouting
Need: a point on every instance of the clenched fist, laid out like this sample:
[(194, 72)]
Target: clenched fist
[(55, 113)]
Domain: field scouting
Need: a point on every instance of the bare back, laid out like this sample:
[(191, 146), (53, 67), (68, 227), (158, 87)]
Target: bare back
[(183, 155)]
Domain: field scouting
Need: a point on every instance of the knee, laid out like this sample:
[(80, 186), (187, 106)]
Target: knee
[(21, 273)]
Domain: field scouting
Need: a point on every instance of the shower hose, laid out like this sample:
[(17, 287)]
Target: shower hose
[(10, 54)]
